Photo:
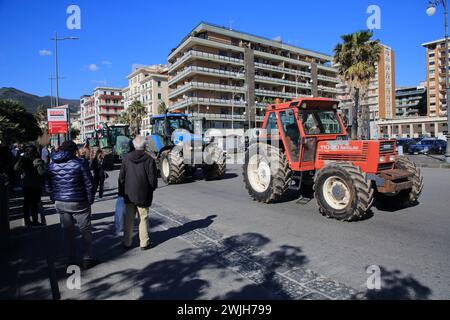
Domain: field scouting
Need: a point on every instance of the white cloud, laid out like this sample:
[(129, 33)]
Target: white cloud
[(106, 63), (99, 82), (45, 52), (93, 67)]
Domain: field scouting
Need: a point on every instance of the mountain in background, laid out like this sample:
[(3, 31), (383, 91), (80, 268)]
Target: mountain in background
[(31, 101)]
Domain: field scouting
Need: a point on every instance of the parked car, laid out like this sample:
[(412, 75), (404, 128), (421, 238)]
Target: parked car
[(428, 146), (404, 143)]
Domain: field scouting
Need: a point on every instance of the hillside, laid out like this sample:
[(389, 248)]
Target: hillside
[(31, 101)]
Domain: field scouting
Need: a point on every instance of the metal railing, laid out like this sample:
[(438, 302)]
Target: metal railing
[(205, 85)]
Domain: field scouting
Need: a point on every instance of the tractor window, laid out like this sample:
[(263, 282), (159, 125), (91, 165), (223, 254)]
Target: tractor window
[(320, 122), (291, 133), (272, 123)]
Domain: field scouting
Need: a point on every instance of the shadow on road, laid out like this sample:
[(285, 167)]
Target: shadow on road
[(397, 286), (181, 278)]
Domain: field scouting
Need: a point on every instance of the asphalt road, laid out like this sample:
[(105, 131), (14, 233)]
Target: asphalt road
[(411, 246)]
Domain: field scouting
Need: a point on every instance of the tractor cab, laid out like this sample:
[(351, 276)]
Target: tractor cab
[(300, 124)]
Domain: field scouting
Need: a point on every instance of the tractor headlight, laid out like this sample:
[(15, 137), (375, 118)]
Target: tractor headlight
[(392, 158), (381, 159)]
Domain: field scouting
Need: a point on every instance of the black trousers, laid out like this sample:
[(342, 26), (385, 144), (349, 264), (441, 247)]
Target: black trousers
[(31, 197), (98, 183)]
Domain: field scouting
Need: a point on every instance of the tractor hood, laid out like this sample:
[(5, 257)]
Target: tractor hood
[(184, 136)]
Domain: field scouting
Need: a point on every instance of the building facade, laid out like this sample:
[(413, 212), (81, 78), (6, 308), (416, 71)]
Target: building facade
[(104, 105), (435, 63), (380, 96), (411, 101), (413, 127), (149, 86), (228, 77)]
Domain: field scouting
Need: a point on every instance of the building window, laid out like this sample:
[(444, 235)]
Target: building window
[(159, 84), (159, 96)]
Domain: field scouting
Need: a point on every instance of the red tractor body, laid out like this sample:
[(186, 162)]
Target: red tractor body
[(311, 138)]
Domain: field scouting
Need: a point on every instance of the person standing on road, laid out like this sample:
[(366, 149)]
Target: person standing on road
[(32, 170), (98, 168), (137, 181), (69, 183), (45, 154)]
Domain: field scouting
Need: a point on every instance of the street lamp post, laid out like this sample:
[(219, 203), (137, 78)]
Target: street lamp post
[(431, 10), (56, 39)]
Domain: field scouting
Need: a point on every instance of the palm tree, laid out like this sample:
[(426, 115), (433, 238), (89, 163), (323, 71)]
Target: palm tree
[(356, 60), (136, 113), (123, 118), (162, 107), (41, 115)]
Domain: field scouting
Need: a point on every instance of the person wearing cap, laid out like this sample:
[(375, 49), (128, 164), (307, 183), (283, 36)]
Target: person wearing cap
[(69, 183)]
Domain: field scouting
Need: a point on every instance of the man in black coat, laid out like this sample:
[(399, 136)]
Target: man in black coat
[(137, 181)]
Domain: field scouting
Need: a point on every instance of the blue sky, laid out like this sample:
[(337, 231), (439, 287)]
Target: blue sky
[(116, 34)]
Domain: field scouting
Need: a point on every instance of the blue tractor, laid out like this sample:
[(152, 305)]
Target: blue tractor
[(179, 152)]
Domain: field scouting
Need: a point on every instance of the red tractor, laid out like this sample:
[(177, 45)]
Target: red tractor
[(303, 143)]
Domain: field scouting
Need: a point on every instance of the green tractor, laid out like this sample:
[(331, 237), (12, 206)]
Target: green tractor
[(114, 140), (179, 152)]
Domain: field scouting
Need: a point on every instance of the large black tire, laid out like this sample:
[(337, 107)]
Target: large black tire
[(108, 161), (405, 198), (358, 194), (215, 166), (175, 165), (280, 172)]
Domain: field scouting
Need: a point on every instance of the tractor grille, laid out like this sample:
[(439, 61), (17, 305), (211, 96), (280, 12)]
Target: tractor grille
[(342, 156), (387, 147), (385, 166)]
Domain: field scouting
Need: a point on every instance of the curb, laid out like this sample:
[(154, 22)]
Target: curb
[(435, 166)]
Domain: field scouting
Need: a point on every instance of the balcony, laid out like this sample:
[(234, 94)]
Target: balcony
[(206, 101), (205, 86), (282, 69), (205, 71), (224, 117), (272, 80), (204, 56)]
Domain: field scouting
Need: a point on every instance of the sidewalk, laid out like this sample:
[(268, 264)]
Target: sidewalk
[(189, 260)]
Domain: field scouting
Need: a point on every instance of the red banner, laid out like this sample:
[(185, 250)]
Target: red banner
[(56, 127)]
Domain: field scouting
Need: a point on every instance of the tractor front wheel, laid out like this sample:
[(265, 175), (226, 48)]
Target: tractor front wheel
[(266, 172), (343, 192), (172, 167), (405, 198)]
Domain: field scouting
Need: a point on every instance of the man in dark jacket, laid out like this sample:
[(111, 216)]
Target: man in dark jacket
[(69, 183), (137, 181)]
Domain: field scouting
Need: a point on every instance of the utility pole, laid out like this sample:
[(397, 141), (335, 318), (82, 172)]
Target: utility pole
[(431, 10)]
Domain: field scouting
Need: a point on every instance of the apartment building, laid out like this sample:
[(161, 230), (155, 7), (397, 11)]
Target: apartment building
[(149, 86), (228, 77), (381, 92), (104, 105), (411, 101), (435, 62)]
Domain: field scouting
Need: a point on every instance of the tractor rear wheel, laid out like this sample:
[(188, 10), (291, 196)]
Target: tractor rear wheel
[(343, 192), (172, 167), (266, 172), (216, 165), (405, 198)]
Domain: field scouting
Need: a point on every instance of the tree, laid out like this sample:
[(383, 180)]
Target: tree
[(16, 124), (41, 113), (123, 118), (356, 59), (136, 113), (74, 133), (162, 107)]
